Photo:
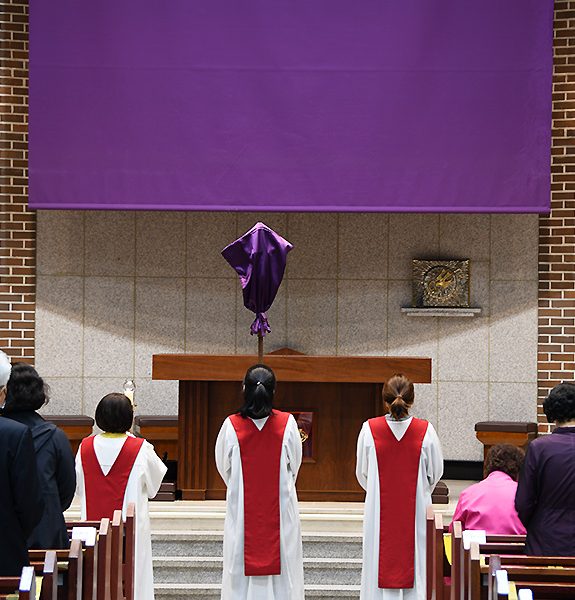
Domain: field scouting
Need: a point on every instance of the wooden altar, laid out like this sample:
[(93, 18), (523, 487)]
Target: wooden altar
[(337, 393)]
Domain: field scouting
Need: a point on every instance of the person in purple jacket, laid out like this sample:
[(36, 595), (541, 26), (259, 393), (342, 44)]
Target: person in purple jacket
[(545, 499)]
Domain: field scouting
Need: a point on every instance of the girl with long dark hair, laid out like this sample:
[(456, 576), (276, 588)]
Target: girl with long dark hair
[(258, 455)]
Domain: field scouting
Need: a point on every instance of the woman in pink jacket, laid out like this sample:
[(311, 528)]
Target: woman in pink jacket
[(490, 504)]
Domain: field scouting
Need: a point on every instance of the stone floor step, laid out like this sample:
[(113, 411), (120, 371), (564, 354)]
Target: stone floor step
[(194, 570), (206, 591), (210, 543), (351, 522)]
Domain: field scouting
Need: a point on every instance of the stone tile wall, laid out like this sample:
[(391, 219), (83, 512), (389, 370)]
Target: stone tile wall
[(115, 288)]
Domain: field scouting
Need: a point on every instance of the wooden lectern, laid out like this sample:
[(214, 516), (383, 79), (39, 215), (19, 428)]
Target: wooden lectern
[(336, 394)]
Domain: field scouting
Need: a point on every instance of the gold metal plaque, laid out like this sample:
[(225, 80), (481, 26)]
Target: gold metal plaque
[(440, 283)]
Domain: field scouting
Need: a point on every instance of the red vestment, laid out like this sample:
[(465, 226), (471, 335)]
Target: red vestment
[(260, 452), (398, 468), (105, 493)]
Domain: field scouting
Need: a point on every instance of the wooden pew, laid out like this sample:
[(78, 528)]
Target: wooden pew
[(116, 578), (104, 562), (24, 586), (510, 544), (456, 562), (73, 574), (50, 577), (441, 588), (129, 562), (474, 572), (115, 560), (547, 577), (437, 588), (429, 549), (90, 550), (492, 588)]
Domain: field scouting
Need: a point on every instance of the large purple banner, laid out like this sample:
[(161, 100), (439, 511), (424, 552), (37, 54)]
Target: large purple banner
[(290, 105)]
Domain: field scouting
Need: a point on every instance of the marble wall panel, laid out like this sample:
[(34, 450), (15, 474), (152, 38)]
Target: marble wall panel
[(461, 405), (110, 246), (160, 317), (513, 402), (314, 237), (411, 236), (156, 397), (161, 244), (60, 242), (425, 405), (409, 336), (513, 331), (464, 236), (362, 317), (66, 396), (311, 316), (463, 353), (362, 246), (514, 247), (59, 326), (207, 235), (211, 316), (95, 388), (109, 327)]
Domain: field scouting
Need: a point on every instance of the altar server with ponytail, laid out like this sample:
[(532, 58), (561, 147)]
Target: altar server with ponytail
[(115, 468), (258, 455), (399, 462)]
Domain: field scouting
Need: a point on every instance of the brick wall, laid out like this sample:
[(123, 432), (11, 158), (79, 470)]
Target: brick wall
[(556, 359), (17, 224)]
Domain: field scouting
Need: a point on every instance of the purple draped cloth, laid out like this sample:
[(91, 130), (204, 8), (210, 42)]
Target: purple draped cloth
[(259, 258)]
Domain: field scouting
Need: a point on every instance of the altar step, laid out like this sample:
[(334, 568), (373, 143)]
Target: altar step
[(210, 590), (187, 542), (189, 564), (317, 571), (210, 544), (209, 516)]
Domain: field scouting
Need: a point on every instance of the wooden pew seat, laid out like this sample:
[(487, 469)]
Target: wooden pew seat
[(161, 431)]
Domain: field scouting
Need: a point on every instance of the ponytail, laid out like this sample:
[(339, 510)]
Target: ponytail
[(398, 408), (259, 388), (398, 396)]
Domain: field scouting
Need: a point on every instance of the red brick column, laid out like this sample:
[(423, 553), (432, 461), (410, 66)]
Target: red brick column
[(17, 224), (556, 358)]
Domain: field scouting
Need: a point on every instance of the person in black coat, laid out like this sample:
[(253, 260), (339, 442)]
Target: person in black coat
[(545, 499), (26, 393), (21, 503)]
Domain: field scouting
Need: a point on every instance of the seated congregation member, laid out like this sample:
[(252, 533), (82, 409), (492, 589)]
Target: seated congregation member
[(490, 504), (545, 499), (26, 393), (258, 455), (399, 462), (115, 468), (21, 503)]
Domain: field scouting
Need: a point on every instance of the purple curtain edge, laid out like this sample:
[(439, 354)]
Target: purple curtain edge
[(292, 209)]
